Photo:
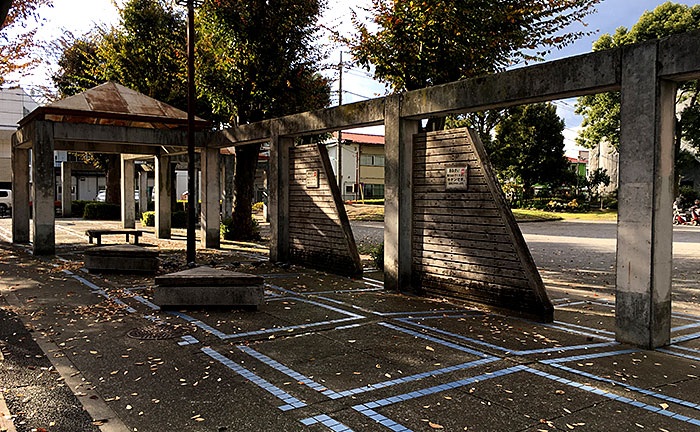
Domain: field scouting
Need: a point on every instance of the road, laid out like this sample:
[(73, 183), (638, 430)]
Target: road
[(573, 253)]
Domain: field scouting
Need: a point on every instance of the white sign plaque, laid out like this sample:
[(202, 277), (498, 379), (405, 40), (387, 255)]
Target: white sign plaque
[(456, 178), (312, 179)]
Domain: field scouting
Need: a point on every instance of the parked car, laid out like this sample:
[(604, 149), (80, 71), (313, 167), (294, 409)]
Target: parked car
[(5, 201), (101, 195)]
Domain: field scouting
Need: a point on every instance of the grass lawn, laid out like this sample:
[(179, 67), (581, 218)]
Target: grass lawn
[(360, 212)]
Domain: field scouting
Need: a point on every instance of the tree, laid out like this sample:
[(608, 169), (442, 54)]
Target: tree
[(17, 45), (145, 52), (529, 146), (602, 111), (258, 60), (424, 43)]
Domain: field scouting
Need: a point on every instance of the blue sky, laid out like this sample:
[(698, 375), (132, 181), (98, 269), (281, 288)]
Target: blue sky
[(610, 15)]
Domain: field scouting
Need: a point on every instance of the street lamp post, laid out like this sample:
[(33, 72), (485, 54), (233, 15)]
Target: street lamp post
[(191, 206)]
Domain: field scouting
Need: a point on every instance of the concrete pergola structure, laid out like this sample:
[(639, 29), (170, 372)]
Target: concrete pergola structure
[(109, 118), (646, 74)]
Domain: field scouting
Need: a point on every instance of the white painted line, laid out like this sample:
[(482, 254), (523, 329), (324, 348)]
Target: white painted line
[(97, 408)]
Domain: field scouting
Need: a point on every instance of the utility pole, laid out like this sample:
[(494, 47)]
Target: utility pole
[(339, 158)]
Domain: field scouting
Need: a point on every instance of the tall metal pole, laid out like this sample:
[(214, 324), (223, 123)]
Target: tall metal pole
[(191, 206), (340, 133)]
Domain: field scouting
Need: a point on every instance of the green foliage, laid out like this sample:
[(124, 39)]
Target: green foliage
[(78, 207), (18, 46), (230, 232), (422, 43), (529, 146), (376, 201), (102, 211), (597, 178), (377, 254), (258, 207), (148, 218), (602, 111), (688, 195)]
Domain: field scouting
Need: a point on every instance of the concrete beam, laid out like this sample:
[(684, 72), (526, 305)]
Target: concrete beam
[(131, 149), (79, 132), (20, 193), (398, 193), (279, 198), (164, 191), (43, 185), (575, 76), (128, 206), (644, 229), (211, 192), (678, 56), (66, 185)]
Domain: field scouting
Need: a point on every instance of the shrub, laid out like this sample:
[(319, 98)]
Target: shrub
[(148, 218), (78, 207), (228, 231), (102, 211), (689, 195), (377, 254), (258, 207)]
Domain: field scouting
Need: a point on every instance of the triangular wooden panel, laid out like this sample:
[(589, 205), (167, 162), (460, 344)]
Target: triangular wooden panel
[(466, 243), (319, 230)]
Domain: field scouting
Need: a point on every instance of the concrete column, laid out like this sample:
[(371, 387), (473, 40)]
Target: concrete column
[(644, 228), (20, 193), (398, 198), (197, 181), (279, 197), (127, 190), (211, 192), (44, 189), (229, 163), (164, 191), (143, 192), (66, 184)]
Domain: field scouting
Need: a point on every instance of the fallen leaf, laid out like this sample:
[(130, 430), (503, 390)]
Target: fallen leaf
[(435, 425)]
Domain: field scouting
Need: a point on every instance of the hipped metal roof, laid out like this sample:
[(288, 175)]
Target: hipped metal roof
[(113, 104)]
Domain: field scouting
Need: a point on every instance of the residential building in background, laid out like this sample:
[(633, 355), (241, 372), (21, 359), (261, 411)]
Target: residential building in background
[(362, 165)]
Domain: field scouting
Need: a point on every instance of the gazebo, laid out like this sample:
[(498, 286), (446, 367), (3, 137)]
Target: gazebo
[(109, 118)]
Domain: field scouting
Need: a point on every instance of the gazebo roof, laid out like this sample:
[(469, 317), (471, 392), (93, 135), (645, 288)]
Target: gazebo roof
[(113, 104)]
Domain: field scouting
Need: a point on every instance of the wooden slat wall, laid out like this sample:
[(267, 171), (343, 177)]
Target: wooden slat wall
[(319, 230), (466, 244)]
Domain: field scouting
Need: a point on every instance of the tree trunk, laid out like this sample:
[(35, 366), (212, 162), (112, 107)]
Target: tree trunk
[(244, 189), (677, 147), (113, 173)]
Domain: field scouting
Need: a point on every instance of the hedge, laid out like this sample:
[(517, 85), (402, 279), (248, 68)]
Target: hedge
[(78, 207), (177, 220), (102, 211)]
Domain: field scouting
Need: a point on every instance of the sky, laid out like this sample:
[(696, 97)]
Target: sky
[(79, 16)]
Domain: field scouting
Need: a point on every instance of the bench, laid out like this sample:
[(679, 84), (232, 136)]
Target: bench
[(98, 233)]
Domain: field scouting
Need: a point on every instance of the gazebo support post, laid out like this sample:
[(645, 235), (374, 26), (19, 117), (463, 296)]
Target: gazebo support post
[(143, 192), (20, 193), (66, 185), (44, 189), (211, 192), (127, 192), (163, 196), (229, 163)]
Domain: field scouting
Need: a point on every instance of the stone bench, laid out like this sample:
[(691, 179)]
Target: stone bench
[(121, 258), (98, 233), (206, 286)]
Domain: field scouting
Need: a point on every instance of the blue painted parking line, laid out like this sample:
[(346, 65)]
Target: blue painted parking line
[(436, 340), (357, 290), (685, 327), (368, 409), (613, 396), (328, 422), (188, 340), (685, 348), (688, 356), (284, 290), (569, 304), (378, 282), (506, 350), (584, 327), (582, 333), (588, 356), (290, 401), (199, 324), (684, 338), (301, 379)]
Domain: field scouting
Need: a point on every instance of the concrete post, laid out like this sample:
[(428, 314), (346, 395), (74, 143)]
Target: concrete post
[(164, 191), (229, 163), (279, 197), (211, 192), (644, 228), (127, 190), (44, 189), (144, 196), (20, 193), (197, 181), (398, 198), (66, 184)]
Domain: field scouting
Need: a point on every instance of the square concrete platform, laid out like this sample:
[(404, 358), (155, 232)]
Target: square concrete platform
[(121, 258), (206, 286)]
